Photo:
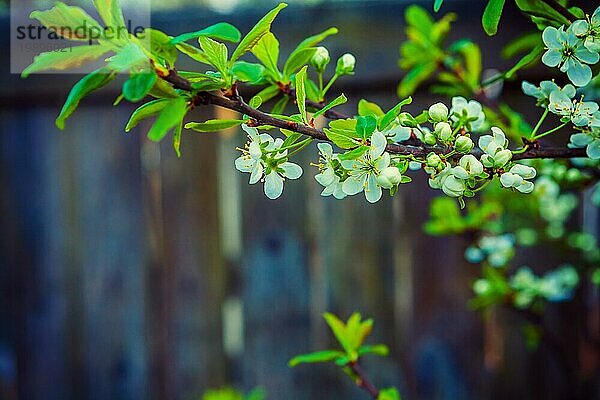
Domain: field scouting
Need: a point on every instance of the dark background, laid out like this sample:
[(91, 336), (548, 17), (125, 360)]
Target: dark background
[(121, 266)]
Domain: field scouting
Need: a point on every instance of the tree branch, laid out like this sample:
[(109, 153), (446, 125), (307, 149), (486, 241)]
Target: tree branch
[(236, 103), (362, 381)]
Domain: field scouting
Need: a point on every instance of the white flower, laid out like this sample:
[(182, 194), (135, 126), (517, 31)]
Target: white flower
[(327, 177), (581, 113), (470, 113), (261, 157), (494, 147), (516, 178), (438, 112), (363, 171)]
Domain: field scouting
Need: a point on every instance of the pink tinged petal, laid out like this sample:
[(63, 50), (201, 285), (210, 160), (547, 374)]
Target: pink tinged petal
[(273, 185)]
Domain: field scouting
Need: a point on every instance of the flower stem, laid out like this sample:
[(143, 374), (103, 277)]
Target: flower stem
[(541, 135), (539, 124), (333, 79)]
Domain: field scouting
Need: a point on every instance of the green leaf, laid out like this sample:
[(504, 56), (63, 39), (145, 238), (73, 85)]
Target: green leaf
[(111, 13), (316, 357), (378, 349), (297, 60), (267, 94), (216, 53), (437, 5), (367, 108), (267, 52), (214, 125), (353, 154), (388, 394), (130, 56), (539, 8), (160, 46), (391, 115), (171, 115), (220, 31), (301, 93), (310, 41), (193, 52), (341, 99), (147, 110), (365, 126), (415, 77), (162, 89), (177, 138), (70, 22), (491, 16), (85, 86), (419, 18), (260, 29), (342, 133), (526, 60), (65, 58), (339, 330), (522, 44), (138, 86), (248, 72)]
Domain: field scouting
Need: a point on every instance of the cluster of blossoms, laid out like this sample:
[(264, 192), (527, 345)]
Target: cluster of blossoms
[(584, 115), (263, 157), (498, 250), (574, 49), (370, 171), (524, 287)]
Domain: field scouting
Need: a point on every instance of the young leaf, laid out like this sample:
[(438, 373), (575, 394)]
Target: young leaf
[(171, 115), (267, 94), (146, 111), (388, 394), (365, 126), (415, 77), (267, 51), (291, 65), (342, 133), (131, 55), (138, 86), (491, 16), (301, 93), (65, 58), (393, 113), (339, 330), (316, 357), (526, 60), (111, 13), (177, 138), (247, 72), (341, 99), (160, 45), (220, 31), (193, 52), (367, 108), (70, 22), (297, 60), (214, 125), (85, 86), (378, 349), (437, 5), (260, 29), (216, 53)]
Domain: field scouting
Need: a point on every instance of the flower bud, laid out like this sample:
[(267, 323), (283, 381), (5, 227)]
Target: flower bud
[(389, 177), (433, 160), (320, 59), (453, 186), (345, 65), (463, 144), (438, 112), (429, 138), (443, 131), (502, 157)]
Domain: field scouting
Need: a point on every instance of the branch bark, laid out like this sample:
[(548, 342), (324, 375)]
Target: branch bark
[(236, 103), (362, 381)]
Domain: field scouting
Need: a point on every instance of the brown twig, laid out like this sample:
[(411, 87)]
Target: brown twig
[(236, 103), (362, 381)]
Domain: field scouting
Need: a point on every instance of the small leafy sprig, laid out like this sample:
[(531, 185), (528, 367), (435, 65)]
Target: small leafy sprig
[(351, 336)]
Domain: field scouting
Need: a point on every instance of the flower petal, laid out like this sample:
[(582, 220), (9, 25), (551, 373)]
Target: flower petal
[(291, 170), (580, 74), (273, 185), (372, 191), (354, 185)]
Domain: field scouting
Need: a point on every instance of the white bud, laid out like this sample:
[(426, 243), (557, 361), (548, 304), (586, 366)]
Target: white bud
[(438, 112)]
